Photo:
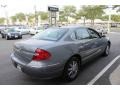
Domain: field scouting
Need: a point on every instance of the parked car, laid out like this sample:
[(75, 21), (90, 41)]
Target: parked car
[(101, 29), (1, 29), (114, 25), (24, 30), (36, 30), (10, 34), (46, 26), (59, 51)]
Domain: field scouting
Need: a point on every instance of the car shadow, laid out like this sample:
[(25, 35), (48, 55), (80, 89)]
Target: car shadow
[(90, 63), (38, 81), (60, 81)]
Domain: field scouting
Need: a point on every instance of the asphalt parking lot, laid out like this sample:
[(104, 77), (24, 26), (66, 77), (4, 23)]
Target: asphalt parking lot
[(89, 72)]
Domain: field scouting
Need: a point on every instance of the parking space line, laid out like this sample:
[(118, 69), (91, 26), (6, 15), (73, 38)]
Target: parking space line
[(103, 71)]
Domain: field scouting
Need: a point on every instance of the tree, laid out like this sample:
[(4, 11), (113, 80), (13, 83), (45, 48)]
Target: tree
[(43, 15), (20, 16), (115, 18), (62, 17), (68, 11), (104, 18), (14, 19), (2, 20), (93, 12), (79, 14), (30, 18)]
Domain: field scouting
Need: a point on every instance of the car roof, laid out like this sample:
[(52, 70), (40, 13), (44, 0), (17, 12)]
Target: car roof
[(74, 26), (71, 27)]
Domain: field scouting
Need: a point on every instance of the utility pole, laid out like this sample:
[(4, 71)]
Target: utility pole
[(6, 13), (109, 18), (36, 15)]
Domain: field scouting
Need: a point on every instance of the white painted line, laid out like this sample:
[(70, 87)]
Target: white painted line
[(103, 71)]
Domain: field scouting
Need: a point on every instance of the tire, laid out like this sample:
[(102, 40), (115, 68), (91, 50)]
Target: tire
[(107, 50), (7, 38), (2, 36), (20, 37), (71, 69)]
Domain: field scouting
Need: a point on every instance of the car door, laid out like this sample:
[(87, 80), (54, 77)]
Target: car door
[(96, 40), (84, 43)]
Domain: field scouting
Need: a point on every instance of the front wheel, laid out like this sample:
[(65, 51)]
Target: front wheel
[(107, 50), (7, 38), (71, 69)]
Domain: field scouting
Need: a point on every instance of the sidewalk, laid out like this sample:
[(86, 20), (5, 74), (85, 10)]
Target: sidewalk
[(115, 76)]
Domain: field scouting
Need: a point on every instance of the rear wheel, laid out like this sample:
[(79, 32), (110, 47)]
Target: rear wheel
[(71, 69), (20, 37), (107, 50)]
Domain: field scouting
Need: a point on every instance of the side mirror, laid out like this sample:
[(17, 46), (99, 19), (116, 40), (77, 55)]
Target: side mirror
[(102, 35)]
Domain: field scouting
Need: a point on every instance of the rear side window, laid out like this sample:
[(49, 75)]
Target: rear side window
[(82, 34)]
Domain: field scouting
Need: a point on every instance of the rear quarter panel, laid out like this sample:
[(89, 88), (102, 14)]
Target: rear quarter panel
[(60, 53)]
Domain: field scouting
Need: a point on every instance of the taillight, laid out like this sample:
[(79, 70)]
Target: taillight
[(41, 54)]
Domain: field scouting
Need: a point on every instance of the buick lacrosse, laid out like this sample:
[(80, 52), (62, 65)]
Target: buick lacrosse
[(59, 51)]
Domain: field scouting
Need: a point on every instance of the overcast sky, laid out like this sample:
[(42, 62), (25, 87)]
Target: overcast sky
[(27, 6)]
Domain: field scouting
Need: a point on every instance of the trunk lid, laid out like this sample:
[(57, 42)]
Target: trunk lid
[(24, 50)]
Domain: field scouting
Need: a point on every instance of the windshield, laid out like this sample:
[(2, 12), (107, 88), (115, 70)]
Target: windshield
[(11, 30), (50, 34)]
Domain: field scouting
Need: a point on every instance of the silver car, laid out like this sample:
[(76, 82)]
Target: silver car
[(59, 51)]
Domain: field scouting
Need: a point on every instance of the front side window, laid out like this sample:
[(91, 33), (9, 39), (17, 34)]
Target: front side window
[(93, 34), (82, 34)]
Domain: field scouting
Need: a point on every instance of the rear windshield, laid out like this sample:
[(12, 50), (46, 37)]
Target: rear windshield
[(50, 34)]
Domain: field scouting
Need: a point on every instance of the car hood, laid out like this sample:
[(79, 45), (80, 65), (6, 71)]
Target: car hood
[(32, 44), (14, 33)]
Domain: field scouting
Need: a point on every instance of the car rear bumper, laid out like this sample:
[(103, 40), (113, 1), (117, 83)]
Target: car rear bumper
[(14, 36), (44, 72), (32, 33)]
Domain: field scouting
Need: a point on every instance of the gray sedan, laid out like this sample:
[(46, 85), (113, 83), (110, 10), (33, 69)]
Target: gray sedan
[(11, 33), (59, 51)]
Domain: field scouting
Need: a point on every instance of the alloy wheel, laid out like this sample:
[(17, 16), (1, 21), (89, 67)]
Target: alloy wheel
[(73, 69), (107, 50)]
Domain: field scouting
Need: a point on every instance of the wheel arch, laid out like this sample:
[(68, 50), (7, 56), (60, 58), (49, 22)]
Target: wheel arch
[(75, 55), (109, 43)]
